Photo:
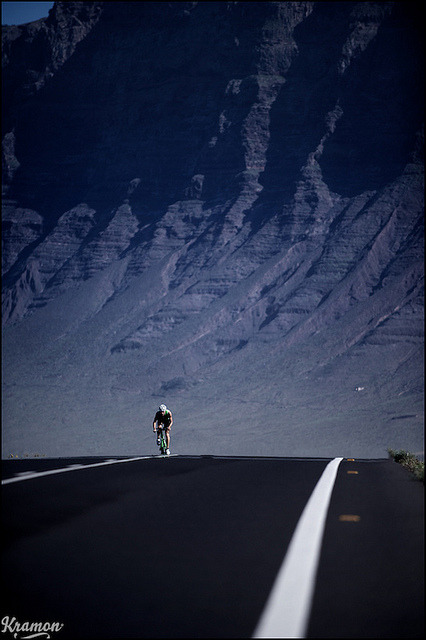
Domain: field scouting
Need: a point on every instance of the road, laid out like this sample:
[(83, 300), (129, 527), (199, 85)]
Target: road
[(190, 547)]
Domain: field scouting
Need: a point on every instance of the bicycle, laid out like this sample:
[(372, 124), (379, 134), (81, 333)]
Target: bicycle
[(163, 441)]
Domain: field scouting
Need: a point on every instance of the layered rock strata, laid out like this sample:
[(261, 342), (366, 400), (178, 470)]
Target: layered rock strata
[(243, 180)]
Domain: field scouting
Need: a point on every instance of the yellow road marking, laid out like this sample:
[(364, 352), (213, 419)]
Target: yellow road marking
[(349, 518), (353, 472)]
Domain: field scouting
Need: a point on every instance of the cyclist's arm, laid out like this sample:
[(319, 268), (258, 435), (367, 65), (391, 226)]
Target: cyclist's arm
[(171, 420), (154, 428)]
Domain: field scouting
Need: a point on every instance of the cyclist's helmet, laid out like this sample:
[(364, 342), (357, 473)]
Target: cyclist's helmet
[(163, 407)]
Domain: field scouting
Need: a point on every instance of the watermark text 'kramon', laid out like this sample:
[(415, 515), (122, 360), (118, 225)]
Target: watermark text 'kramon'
[(26, 630)]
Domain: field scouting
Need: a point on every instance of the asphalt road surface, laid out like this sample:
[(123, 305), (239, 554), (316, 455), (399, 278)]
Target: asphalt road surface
[(190, 547)]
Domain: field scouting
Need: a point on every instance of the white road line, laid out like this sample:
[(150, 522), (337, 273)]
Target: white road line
[(287, 610), (29, 475)]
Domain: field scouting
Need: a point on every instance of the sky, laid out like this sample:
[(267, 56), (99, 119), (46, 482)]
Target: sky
[(22, 12)]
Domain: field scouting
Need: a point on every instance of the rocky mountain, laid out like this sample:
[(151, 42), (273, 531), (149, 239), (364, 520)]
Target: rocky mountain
[(217, 205)]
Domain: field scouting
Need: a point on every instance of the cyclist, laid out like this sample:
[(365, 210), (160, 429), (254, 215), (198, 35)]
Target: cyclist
[(163, 418)]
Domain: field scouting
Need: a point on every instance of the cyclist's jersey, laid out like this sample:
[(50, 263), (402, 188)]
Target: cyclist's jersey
[(163, 419)]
